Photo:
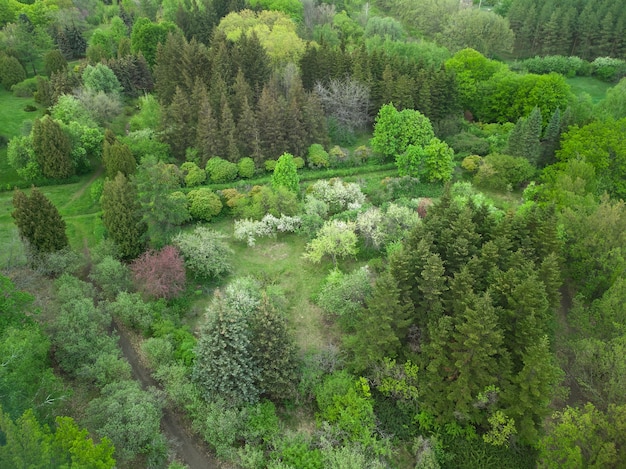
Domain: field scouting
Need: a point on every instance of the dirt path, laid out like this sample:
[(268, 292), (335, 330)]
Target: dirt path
[(188, 448), (82, 190)]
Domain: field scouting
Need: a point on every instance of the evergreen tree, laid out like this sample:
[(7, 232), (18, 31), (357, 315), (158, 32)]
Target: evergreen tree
[(382, 327), (241, 93), (178, 132), (117, 157), (207, 133), (39, 223), (274, 352), (227, 133), (432, 285), (248, 134), (168, 66), (550, 140), (224, 365), (52, 149), (121, 216), (531, 136), (270, 119)]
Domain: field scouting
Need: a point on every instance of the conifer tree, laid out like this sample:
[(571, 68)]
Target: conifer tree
[(177, 131), (117, 157), (248, 134), (224, 364), (121, 217), (550, 140), (382, 326), (274, 352), (168, 66), (531, 136), (38, 221), (52, 149), (227, 133), (241, 92), (270, 119), (207, 133)]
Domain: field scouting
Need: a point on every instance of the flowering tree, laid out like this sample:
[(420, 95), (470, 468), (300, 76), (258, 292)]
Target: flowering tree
[(335, 239), (160, 274)]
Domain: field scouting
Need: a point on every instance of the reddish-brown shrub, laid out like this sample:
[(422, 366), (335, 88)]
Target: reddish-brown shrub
[(160, 274)]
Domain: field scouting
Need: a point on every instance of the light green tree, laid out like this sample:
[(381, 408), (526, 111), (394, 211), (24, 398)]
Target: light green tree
[(335, 239), (286, 174)]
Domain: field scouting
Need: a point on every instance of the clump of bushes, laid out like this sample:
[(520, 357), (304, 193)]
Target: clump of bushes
[(203, 204), (220, 170)]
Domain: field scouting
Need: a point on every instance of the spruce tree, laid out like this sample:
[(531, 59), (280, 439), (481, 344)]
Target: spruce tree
[(248, 134), (224, 364), (382, 327), (274, 352), (227, 133), (270, 116), (121, 217), (531, 136), (167, 67), (39, 223), (550, 140), (52, 149), (177, 131), (207, 132)]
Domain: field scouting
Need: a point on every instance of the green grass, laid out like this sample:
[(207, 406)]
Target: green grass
[(12, 117), (595, 88)]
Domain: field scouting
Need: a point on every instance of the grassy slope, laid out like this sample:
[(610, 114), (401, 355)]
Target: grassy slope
[(595, 88), (12, 117)]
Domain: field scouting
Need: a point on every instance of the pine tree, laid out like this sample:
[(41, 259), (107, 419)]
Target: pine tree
[(168, 66), (550, 140), (515, 141), (274, 352), (121, 217), (270, 119), (177, 130), (38, 221), (52, 149), (241, 92), (531, 136), (382, 326), (432, 285)]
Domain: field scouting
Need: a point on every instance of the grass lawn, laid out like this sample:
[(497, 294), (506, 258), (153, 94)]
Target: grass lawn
[(12, 117), (595, 88)]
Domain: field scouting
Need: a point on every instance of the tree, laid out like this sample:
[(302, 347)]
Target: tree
[(286, 174), (335, 239), (52, 149), (161, 209), (432, 163), (160, 274), (101, 78), (117, 157), (274, 352), (345, 100), (38, 221), (482, 30), (121, 216), (11, 71), (205, 252), (128, 416), (394, 131), (224, 365), (30, 444), (146, 36)]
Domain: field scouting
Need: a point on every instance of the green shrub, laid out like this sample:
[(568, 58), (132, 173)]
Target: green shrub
[(204, 204), (26, 88), (471, 163), (205, 252), (568, 66), (362, 153), (220, 170), (270, 165), (338, 157), (299, 161), (246, 168), (194, 176), (11, 71), (317, 157), (467, 144), (608, 69), (503, 172)]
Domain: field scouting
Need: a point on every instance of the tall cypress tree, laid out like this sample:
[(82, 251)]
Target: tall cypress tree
[(52, 149), (38, 221), (121, 217)]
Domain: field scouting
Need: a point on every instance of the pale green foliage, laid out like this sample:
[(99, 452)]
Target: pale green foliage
[(69, 109), (335, 239), (158, 352), (126, 415), (101, 78), (220, 424), (206, 252), (111, 276), (485, 31), (432, 163), (149, 115), (343, 295), (132, 311), (220, 170), (317, 157), (502, 428), (269, 225), (338, 195), (286, 174), (21, 157), (246, 167)]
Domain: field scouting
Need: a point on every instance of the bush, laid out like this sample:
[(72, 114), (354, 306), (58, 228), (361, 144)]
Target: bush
[(246, 168), (205, 251), (204, 204), (160, 274), (471, 163), (250, 230), (338, 195), (26, 88), (299, 162), (468, 144), (220, 170), (194, 176), (111, 276), (503, 172), (132, 311), (362, 153), (343, 295), (285, 174), (568, 66), (11, 71), (262, 200), (317, 157), (608, 69), (270, 165)]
